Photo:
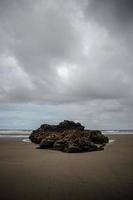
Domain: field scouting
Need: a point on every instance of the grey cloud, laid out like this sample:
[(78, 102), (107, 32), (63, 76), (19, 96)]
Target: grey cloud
[(44, 36), (116, 16), (74, 54)]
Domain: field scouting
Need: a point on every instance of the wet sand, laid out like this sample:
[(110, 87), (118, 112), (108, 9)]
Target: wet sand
[(27, 173)]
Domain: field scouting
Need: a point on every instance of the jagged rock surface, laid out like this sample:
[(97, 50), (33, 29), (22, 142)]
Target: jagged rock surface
[(68, 136)]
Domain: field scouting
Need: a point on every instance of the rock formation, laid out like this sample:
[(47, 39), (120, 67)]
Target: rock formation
[(68, 136)]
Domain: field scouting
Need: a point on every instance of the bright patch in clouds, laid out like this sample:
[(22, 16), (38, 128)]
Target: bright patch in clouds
[(63, 72), (66, 71)]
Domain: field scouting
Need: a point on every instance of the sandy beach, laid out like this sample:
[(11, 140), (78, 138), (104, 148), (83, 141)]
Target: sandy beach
[(27, 173)]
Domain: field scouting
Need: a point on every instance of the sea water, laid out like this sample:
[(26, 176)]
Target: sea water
[(117, 132), (14, 134), (23, 135)]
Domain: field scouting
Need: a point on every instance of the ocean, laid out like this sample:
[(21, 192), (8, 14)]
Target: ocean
[(23, 135), (119, 132), (15, 134)]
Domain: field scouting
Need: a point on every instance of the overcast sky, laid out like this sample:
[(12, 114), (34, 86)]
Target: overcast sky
[(66, 60)]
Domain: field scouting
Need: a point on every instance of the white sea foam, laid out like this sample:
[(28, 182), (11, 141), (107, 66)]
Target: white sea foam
[(26, 140), (118, 132), (13, 136), (14, 132), (110, 141)]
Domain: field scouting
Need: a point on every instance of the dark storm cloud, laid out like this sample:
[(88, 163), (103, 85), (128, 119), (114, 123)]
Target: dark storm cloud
[(115, 15), (118, 11), (70, 55)]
